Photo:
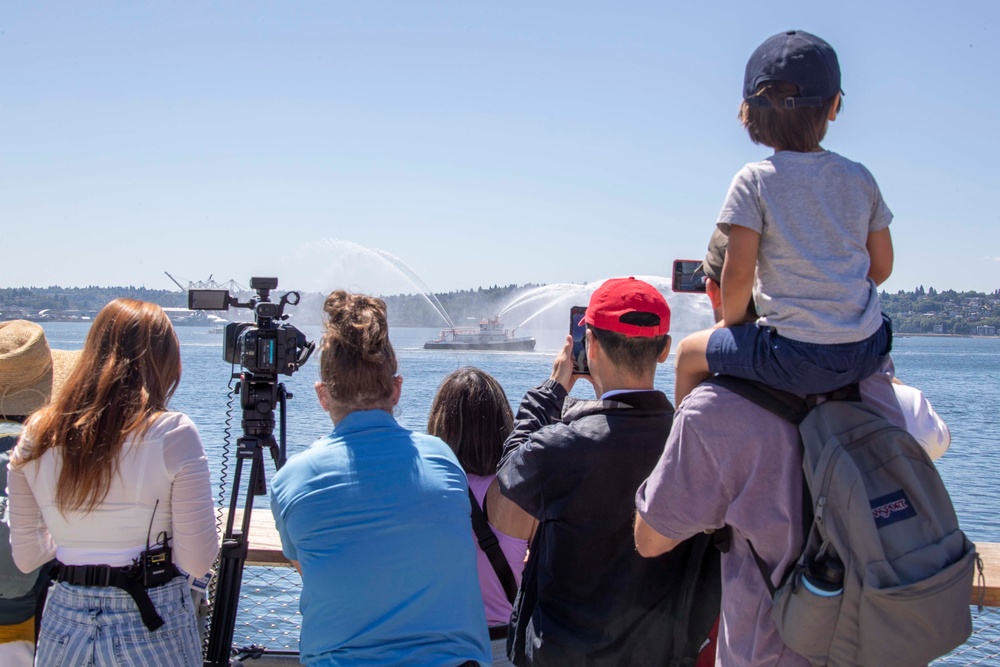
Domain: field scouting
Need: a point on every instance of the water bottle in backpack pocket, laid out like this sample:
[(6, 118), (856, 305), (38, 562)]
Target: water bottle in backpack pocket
[(808, 606)]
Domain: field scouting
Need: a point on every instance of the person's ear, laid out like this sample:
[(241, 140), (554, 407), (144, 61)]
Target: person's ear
[(593, 348), (714, 293), (397, 389), (323, 394), (666, 352), (834, 108)]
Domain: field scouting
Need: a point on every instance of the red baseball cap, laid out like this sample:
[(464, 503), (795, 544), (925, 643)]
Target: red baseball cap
[(625, 306)]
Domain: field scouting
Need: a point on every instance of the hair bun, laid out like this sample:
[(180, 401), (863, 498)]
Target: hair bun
[(358, 323), (356, 345)]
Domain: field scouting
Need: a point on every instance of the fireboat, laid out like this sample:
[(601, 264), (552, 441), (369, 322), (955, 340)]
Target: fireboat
[(490, 335)]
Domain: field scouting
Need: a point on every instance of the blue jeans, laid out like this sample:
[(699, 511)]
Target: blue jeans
[(101, 626), (761, 354)]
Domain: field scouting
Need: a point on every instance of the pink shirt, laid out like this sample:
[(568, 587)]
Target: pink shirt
[(497, 607)]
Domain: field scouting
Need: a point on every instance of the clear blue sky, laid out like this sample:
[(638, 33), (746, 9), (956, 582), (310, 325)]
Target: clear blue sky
[(480, 143)]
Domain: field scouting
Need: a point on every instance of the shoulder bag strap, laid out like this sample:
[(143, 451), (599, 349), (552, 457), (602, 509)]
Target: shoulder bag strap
[(491, 547)]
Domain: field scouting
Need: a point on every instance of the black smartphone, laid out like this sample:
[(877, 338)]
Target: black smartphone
[(577, 329), (688, 276)]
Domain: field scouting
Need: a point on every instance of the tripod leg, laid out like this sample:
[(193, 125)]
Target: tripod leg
[(232, 557)]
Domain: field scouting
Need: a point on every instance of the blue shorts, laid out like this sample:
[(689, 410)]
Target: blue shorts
[(101, 626), (759, 353)]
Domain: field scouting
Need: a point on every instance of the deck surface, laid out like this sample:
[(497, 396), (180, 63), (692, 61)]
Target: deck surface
[(265, 545), (990, 553)]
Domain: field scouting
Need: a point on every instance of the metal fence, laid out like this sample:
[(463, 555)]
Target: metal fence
[(269, 617), (269, 609), (983, 647)]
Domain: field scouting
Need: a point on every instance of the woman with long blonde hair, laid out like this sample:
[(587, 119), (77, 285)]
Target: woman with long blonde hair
[(116, 488)]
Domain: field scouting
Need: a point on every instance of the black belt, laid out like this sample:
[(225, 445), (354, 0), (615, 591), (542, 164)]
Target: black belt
[(498, 632), (128, 578)]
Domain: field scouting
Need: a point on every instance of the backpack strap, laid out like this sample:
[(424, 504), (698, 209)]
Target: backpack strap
[(791, 408), (491, 547), (782, 403)]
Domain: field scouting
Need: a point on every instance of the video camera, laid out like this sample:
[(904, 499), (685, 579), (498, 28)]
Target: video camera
[(265, 347)]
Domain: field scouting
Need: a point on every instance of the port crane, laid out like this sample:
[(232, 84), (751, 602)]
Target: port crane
[(231, 285)]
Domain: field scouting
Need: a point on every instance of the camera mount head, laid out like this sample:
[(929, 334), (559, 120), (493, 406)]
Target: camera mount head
[(262, 306), (264, 348)]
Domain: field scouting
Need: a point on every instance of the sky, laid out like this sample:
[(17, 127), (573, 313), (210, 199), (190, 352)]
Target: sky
[(381, 146)]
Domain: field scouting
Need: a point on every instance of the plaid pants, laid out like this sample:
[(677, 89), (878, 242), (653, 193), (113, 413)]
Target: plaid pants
[(101, 627)]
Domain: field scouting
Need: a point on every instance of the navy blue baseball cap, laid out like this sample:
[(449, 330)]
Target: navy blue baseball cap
[(797, 57)]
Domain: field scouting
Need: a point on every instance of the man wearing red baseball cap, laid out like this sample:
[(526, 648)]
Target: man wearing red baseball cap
[(587, 597)]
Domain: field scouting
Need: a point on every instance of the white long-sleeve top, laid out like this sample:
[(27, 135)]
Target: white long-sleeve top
[(167, 465), (922, 422)]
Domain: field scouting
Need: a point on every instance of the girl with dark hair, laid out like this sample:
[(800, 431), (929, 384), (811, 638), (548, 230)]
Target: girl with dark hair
[(102, 474), (376, 517), (472, 415)]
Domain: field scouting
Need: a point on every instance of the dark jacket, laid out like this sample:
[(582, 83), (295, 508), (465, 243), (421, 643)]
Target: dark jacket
[(18, 591), (587, 597)]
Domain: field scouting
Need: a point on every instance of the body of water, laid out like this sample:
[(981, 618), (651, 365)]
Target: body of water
[(958, 375)]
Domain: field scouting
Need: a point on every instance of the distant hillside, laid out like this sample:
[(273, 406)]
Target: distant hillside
[(67, 303), (23, 301), (413, 310), (919, 311), (949, 312)]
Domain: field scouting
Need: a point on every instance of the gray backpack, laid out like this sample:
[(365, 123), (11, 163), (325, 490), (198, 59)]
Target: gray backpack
[(877, 506)]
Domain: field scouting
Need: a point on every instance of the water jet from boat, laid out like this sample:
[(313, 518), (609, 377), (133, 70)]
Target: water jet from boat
[(329, 264)]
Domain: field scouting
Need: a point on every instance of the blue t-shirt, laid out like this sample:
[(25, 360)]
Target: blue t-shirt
[(378, 518)]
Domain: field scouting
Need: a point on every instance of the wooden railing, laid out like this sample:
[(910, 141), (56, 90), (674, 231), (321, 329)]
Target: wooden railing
[(265, 549)]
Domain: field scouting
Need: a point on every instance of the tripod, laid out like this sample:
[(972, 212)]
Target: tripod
[(258, 397)]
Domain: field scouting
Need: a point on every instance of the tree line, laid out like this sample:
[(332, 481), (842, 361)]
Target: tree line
[(404, 309), (948, 311), (918, 311)]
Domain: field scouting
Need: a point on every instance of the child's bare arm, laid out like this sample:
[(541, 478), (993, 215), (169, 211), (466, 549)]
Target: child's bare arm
[(879, 246), (737, 274)]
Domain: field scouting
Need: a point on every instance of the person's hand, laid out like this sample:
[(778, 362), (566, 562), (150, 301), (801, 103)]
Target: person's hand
[(562, 367)]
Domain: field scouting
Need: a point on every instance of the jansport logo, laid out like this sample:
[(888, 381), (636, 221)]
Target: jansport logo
[(885, 511), (891, 508)]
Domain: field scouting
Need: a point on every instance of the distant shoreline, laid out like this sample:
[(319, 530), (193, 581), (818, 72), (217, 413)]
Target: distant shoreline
[(938, 335)]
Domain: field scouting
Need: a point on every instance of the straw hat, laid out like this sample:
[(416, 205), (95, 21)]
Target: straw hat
[(29, 371)]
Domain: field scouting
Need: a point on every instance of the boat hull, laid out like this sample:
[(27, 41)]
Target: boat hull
[(525, 344)]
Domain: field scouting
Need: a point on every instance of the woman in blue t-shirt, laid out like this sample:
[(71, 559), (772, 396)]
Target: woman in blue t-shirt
[(376, 517)]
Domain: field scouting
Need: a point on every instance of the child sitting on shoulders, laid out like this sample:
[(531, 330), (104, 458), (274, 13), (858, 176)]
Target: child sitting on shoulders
[(808, 240)]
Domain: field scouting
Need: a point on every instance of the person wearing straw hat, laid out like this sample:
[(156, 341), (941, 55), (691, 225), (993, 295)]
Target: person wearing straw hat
[(30, 372)]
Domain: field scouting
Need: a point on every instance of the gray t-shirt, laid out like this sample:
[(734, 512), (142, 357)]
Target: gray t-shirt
[(729, 461), (813, 212)]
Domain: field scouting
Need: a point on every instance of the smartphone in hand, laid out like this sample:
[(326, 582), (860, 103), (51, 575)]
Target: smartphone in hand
[(577, 329), (688, 276)]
